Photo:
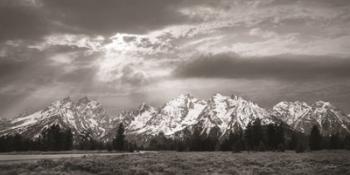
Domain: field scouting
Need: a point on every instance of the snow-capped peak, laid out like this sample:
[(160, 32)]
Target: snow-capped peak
[(144, 107), (84, 115), (292, 113), (218, 113), (180, 100), (65, 102), (174, 114), (324, 105), (233, 112), (138, 118), (185, 111), (219, 96), (302, 117), (84, 100)]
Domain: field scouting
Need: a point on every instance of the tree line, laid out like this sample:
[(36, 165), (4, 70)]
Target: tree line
[(256, 137), (51, 139), (56, 138)]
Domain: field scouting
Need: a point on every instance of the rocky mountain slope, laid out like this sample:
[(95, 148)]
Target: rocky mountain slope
[(302, 117), (222, 113), (86, 116)]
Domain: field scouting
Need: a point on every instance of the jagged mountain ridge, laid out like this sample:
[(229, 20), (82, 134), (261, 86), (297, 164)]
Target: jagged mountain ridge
[(223, 113), (84, 116), (301, 117)]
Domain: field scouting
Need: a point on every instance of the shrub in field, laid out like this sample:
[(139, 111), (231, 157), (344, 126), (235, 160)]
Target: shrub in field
[(197, 163), (46, 163), (106, 172)]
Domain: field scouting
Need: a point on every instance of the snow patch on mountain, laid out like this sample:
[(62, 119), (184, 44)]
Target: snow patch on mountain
[(218, 113), (292, 112), (85, 115), (231, 113), (174, 116), (223, 112), (302, 117)]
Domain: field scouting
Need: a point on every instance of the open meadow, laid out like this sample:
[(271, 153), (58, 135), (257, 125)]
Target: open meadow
[(321, 162)]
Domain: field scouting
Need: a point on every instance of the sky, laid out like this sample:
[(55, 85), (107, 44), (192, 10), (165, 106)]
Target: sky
[(125, 52)]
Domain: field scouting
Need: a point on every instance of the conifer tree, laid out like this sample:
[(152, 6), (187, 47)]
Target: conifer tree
[(196, 140), (248, 137), (52, 138), (67, 139), (2, 144), (227, 143), (293, 141), (271, 137), (160, 142), (257, 134), (280, 139), (209, 143), (334, 141), (261, 147), (300, 147), (86, 141), (179, 145), (346, 142), (315, 139), (18, 142), (119, 140), (238, 141), (237, 146)]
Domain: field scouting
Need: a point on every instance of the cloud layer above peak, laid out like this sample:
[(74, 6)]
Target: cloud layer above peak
[(130, 49)]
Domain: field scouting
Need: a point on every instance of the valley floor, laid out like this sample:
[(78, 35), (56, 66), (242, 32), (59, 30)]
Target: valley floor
[(321, 162), (22, 157)]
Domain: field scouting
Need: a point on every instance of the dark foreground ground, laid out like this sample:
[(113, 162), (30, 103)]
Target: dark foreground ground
[(323, 162)]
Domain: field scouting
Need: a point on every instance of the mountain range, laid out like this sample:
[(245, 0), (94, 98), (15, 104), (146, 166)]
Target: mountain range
[(183, 113)]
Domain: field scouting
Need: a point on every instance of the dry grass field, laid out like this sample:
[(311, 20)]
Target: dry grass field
[(322, 162)]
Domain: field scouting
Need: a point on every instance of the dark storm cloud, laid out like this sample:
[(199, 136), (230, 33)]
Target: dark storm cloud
[(8, 67), (33, 68), (283, 67), (25, 20), (70, 58), (20, 78), (82, 75), (21, 65), (19, 20), (34, 75), (64, 48), (111, 16)]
